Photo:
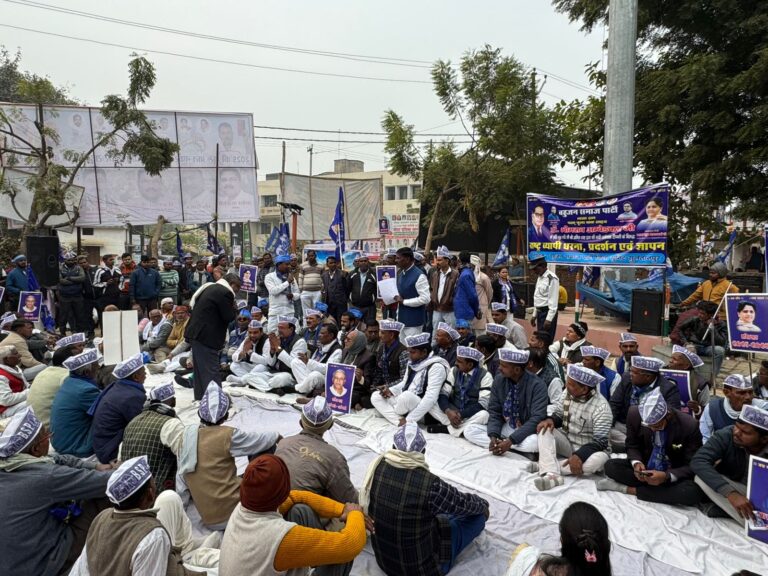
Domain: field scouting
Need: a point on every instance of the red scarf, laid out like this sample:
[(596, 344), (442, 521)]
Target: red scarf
[(16, 383)]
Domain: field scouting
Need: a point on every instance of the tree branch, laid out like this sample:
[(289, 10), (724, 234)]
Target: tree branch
[(447, 223)]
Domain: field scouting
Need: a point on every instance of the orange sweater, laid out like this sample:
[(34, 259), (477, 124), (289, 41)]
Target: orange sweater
[(310, 547)]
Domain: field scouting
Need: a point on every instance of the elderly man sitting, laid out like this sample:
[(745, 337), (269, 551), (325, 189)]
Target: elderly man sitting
[(577, 430), (14, 388), (284, 347), (463, 401), (154, 338), (515, 333), (446, 338), (251, 356), (417, 393), (18, 337), (499, 332)]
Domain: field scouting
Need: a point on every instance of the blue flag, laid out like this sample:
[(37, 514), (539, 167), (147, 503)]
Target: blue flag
[(725, 252), (502, 254), (658, 273), (179, 248), (591, 275), (269, 246), (336, 229), (213, 244), (283, 242)]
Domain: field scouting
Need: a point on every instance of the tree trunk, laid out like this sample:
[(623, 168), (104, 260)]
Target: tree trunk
[(154, 242), (433, 219)]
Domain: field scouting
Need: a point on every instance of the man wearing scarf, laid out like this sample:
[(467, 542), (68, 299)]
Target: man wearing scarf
[(517, 404), (287, 522), (568, 350), (577, 430), (422, 522), (392, 357), (207, 466), (213, 308), (465, 403), (309, 372), (311, 332), (417, 393), (116, 406), (284, 348), (723, 411), (154, 338), (446, 338), (315, 465), (643, 378), (33, 486), (283, 291), (252, 356), (721, 466), (660, 444), (356, 353)]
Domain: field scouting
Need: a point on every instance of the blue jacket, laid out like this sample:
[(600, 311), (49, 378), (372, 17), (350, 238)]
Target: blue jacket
[(465, 302), (70, 422), (17, 282), (145, 284), (120, 403)]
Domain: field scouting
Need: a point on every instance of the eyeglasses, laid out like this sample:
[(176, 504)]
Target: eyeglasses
[(538, 213)]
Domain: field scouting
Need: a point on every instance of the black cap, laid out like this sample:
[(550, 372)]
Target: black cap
[(537, 261)]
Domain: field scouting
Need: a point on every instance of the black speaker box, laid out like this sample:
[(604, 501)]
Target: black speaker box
[(43, 257), (647, 312)]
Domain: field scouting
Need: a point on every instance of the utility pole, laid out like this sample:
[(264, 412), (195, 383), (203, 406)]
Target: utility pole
[(620, 97), (618, 138), (311, 150)]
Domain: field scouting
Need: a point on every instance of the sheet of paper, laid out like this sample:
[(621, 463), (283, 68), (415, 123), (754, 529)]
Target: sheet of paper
[(388, 290), (121, 336)]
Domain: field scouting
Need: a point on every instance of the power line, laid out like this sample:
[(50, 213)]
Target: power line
[(344, 141), (351, 131), (325, 53), (392, 61), (216, 60)]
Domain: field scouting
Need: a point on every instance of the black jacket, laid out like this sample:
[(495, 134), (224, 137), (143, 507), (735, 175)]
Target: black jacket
[(366, 296), (720, 459), (623, 394), (683, 440), (213, 311)]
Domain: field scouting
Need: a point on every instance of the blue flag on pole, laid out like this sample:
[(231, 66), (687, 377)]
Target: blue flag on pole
[(213, 244), (283, 242), (336, 229), (725, 252), (269, 246), (502, 254), (179, 248), (591, 275)]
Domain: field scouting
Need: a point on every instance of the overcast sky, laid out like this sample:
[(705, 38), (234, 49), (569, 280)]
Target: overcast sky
[(530, 30)]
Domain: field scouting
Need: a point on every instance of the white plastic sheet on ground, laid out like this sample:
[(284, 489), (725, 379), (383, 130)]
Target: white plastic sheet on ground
[(649, 539)]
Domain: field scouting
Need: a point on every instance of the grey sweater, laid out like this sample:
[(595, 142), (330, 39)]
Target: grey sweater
[(31, 540)]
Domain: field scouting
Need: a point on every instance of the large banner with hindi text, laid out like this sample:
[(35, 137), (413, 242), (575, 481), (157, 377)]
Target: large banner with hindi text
[(628, 229), (196, 186)]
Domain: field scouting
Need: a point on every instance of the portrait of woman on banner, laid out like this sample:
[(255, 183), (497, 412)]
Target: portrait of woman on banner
[(655, 220)]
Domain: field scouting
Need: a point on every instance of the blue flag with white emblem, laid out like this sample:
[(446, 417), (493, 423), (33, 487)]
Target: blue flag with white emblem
[(336, 231)]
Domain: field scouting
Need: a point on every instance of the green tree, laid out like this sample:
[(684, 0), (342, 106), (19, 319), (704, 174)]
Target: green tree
[(131, 135), (516, 140), (700, 121)]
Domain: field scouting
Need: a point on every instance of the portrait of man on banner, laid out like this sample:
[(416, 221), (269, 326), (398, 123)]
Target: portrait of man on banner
[(339, 381), (29, 306)]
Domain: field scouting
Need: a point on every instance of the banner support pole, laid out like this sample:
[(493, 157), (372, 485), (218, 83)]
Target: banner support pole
[(667, 303), (577, 303)]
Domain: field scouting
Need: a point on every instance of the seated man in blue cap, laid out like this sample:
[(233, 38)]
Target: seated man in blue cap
[(515, 333), (722, 464), (309, 371), (417, 393), (594, 358), (518, 403), (236, 337), (643, 378), (311, 331), (661, 441), (684, 360), (446, 338), (392, 357), (144, 533), (157, 433), (463, 401), (629, 347), (422, 523), (722, 411), (284, 347), (48, 502), (283, 291), (577, 430), (252, 355), (116, 406), (466, 334), (207, 466)]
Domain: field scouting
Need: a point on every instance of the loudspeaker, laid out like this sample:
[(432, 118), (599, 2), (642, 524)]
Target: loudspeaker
[(43, 257), (647, 312)]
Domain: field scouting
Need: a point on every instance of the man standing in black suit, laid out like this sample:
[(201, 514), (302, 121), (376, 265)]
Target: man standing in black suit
[(213, 308), (362, 289)]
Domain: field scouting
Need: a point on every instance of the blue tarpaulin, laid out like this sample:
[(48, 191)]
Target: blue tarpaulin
[(619, 301)]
